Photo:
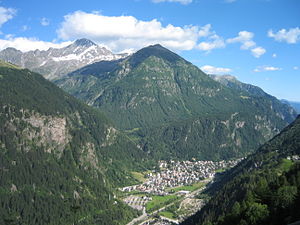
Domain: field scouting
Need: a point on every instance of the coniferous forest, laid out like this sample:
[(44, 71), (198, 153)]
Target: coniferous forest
[(262, 189), (60, 159)]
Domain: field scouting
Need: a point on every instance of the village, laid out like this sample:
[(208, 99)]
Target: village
[(173, 182), (179, 173)]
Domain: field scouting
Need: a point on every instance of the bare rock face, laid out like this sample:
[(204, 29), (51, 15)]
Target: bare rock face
[(13, 188), (111, 134), (50, 130), (265, 126), (89, 157)]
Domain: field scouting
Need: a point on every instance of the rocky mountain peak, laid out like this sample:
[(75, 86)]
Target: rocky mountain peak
[(156, 50), (226, 77), (11, 49), (158, 46), (84, 42), (229, 77)]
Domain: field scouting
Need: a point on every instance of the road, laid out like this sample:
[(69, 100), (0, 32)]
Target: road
[(140, 218), (147, 217)]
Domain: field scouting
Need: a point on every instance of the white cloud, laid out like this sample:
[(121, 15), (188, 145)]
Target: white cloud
[(291, 36), (6, 14), (216, 42), (215, 70), (184, 2), (296, 68), (45, 21), (123, 32), (245, 38), (205, 31), (258, 52), (126, 32), (271, 68), (266, 68), (212, 39), (274, 55), (119, 33), (27, 44)]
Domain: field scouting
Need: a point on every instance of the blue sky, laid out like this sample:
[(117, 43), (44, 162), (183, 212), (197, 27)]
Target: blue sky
[(258, 41)]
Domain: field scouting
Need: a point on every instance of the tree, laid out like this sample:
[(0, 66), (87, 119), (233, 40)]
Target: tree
[(285, 196), (256, 212)]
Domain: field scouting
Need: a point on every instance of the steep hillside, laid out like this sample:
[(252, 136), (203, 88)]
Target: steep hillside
[(172, 108), (262, 189), (208, 137), (295, 105), (232, 82), (60, 160), (285, 110), (56, 62)]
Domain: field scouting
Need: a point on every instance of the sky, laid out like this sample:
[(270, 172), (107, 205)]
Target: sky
[(257, 41)]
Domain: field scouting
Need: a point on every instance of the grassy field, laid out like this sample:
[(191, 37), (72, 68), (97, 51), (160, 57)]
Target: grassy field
[(171, 212), (130, 134), (159, 201), (122, 194), (284, 166), (192, 187), (168, 214), (221, 170), (139, 176)]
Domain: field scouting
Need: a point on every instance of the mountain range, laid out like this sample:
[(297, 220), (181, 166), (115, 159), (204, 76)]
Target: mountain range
[(56, 62), (230, 81), (173, 109), (60, 160)]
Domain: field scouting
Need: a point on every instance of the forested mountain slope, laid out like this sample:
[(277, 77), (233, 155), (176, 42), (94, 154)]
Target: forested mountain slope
[(262, 189), (287, 111), (174, 109), (295, 105), (60, 160)]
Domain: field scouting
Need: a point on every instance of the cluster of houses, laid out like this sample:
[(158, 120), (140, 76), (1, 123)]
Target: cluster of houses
[(179, 173), (294, 157), (137, 202)]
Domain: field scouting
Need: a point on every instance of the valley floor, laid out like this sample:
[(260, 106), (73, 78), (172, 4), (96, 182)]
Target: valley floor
[(172, 193)]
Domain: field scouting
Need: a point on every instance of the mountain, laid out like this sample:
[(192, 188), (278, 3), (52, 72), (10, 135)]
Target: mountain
[(262, 189), (173, 109), (295, 105), (60, 160), (232, 82), (55, 63), (285, 110)]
